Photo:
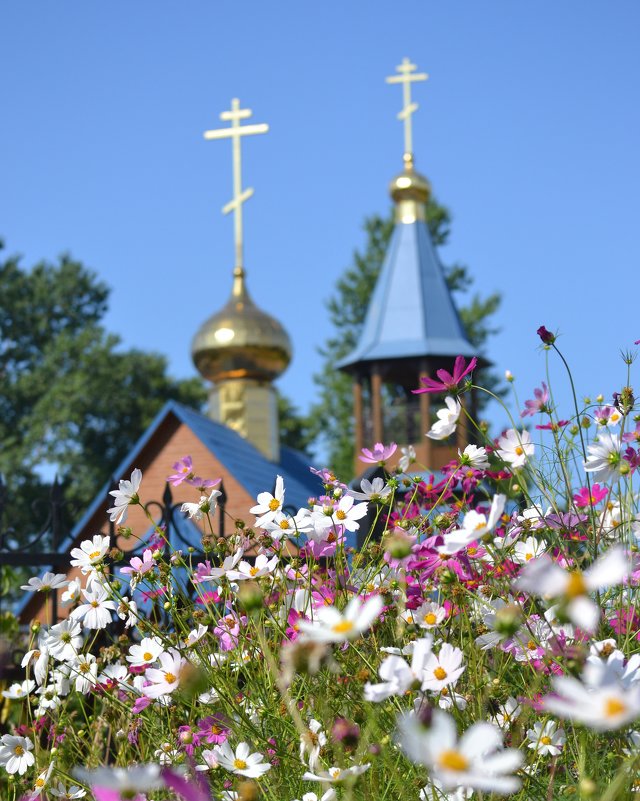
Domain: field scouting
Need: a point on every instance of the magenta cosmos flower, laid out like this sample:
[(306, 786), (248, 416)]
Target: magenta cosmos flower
[(447, 382)]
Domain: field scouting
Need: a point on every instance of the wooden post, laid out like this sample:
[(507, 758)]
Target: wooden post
[(357, 413), (425, 418), (376, 404)]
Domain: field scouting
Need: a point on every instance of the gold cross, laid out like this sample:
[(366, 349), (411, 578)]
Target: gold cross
[(406, 77), (235, 132)]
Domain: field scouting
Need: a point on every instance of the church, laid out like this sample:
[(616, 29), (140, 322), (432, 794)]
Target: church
[(241, 350)]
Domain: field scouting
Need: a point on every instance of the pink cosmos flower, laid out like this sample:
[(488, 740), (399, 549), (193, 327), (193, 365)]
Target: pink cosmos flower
[(554, 425), (539, 404), (448, 382), (583, 498), (183, 471), (379, 454), (213, 729), (140, 566)]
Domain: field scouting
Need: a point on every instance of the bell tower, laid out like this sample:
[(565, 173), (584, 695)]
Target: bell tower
[(412, 327)]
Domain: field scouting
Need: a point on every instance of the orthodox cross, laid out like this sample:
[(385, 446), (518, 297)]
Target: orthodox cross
[(235, 132), (406, 77)]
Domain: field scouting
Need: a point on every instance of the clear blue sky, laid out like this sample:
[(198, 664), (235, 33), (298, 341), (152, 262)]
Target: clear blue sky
[(528, 130)]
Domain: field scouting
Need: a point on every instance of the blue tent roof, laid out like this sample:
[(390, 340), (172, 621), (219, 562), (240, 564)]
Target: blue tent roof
[(411, 313)]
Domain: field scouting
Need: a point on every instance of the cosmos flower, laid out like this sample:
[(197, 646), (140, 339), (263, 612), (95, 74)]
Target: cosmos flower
[(515, 447), (268, 505), (48, 582), (397, 675), (448, 382), (605, 460), (15, 754), (474, 526), (379, 454), (335, 774), (546, 738), (539, 404), (544, 577), (126, 495), (447, 419), (90, 553), (478, 760), (331, 625), (242, 762)]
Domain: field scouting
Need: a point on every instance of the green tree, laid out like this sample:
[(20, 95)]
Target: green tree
[(71, 397), (332, 416)]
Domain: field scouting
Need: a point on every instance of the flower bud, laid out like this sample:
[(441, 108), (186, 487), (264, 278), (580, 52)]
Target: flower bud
[(546, 336)]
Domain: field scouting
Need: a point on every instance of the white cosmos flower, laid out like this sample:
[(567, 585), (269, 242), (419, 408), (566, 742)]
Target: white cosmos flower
[(71, 594), (210, 760), (64, 793), (18, 691), (146, 652), (605, 458), (127, 610), (15, 754), (40, 657), (165, 680), (205, 505), (531, 548), (40, 783), (242, 762), (330, 795), (443, 670), (50, 581), (546, 738), (447, 419), (347, 514), (408, 458), (602, 708), (332, 625), (96, 612), (269, 504), (284, 525), (507, 713), (515, 447), (128, 782), (90, 553), (263, 566), (312, 743), (228, 564), (65, 640), (396, 674), (375, 490), (85, 670), (478, 760), (474, 526), (544, 577), (124, 496), (474, 456), (335, 774), (429, 615)]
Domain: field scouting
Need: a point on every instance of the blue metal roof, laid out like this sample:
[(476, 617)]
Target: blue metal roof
[(411, 312), (241, 459)]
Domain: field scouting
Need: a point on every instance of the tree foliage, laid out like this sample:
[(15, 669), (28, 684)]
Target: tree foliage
[(332, 415), (72, 398)]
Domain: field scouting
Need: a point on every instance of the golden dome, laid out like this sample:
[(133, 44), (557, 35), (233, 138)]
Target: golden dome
[(241, 341), (410, 185)]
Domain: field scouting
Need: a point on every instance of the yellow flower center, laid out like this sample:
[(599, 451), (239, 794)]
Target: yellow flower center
[(94, 554), (284, 524), (528, 556), (84, 667), (95, 604), (576, 585), (253, 570), (440, 673), (239, 764), (450, 759), (342, 627), (431, 619), (335, 773), (18, 750), (518, 450), (613, 707), (274, 504), (169, 678), (341, 514), (40, 782), (531, 646), (147, 656), (545, 740)]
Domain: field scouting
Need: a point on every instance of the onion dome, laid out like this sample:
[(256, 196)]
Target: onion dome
[(410, 191), (241, 341)]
